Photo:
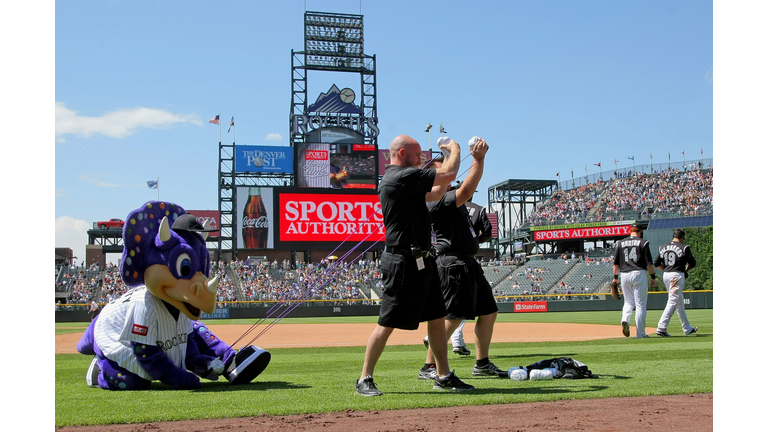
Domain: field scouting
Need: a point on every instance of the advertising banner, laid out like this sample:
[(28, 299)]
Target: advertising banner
[(254, 219), (384, 159), (218, 313), (493, 218), (531, 306), (212, 216), (581, 233), (334, 218), (263, 159), (336, 166)]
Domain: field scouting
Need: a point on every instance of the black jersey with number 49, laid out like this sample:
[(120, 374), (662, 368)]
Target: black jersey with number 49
[(632, 253), (673, 256)]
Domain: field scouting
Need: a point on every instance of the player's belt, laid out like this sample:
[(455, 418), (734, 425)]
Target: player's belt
[(403, 251)]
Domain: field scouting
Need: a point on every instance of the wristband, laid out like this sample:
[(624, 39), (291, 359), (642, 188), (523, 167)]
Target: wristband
[(615, 277)]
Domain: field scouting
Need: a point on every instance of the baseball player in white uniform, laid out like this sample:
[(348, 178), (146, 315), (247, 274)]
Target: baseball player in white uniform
[(675, 260), (632, 258)]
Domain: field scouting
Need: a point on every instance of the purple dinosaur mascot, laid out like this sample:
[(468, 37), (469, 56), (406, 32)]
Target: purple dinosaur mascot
[(153, 332)]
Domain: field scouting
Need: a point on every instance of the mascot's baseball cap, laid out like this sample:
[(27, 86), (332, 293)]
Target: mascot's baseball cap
[(188, 222)]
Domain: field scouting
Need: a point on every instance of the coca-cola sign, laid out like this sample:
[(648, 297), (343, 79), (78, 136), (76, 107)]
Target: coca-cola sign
[(329, 218)]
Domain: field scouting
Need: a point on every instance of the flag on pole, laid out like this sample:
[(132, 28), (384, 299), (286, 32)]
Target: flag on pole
[(231, 123), (597, 164), (631, 157), (153, 184), (215, 120), (683, 152)]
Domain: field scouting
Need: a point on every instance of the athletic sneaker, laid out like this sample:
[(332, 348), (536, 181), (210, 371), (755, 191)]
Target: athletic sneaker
[(642, 336), (663, 333), (451, 383), (247, 365), (366, 387), (428, 374), (693, 330), (461, 350), (426, 341), (489, 370), (92, 376), (625, 328)]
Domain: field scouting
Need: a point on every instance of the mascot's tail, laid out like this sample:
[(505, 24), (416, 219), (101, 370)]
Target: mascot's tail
[(87, 342)]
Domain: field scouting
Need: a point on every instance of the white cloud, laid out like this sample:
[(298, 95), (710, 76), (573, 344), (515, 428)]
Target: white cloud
[(72, 233), (116, 124), (274, 137)]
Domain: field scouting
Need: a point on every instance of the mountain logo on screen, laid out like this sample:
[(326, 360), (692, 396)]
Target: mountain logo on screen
[(335, 101)]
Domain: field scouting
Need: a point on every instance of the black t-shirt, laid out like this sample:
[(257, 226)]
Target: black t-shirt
[(402, 194), (673, 256), (452, 226), (480, 222), (632, 253)]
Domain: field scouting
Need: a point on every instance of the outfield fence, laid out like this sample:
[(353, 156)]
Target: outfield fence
[(366, 307)]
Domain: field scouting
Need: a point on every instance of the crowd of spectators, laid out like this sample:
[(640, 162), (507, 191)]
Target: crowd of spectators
[(571, 205), (685, 192), (243, 282)]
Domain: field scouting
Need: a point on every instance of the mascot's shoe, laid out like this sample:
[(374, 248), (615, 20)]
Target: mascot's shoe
[(249, 362), (92, 377)]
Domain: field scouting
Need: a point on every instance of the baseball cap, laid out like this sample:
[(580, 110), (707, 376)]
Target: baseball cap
[(188, 222)]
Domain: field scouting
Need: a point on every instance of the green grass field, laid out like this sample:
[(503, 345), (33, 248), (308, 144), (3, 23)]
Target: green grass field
[(313, 380)]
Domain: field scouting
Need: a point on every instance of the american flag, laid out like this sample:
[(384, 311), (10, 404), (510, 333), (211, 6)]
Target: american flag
[(214, 120)]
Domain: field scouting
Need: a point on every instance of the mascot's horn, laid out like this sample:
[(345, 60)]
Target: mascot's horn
[(213, 284), (206, 225), (165, 230)]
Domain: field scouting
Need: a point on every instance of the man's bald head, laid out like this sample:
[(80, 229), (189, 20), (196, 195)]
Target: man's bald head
[(404, 151)]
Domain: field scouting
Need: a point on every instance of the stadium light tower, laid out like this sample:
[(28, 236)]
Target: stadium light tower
[(429, 129)]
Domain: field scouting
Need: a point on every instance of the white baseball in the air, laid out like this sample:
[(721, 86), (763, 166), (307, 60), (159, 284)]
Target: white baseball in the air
[(347, 95)]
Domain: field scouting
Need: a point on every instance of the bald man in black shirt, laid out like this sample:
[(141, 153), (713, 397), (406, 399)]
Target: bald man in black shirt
[(411, 291)]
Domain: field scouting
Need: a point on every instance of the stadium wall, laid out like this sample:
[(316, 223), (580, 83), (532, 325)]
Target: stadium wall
[(656, 301)]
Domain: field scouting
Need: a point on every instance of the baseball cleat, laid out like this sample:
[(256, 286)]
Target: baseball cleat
[(461, 350), (249, 362), (452, 383), (662, 333), (625, 329), (366, 387), (693, 330)]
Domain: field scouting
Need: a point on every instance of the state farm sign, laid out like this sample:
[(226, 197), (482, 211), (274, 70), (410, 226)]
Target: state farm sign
[(577, 233), (531, 306), (330, 217)]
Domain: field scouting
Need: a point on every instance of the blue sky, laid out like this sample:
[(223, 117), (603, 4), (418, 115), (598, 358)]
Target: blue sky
[(552, 86)]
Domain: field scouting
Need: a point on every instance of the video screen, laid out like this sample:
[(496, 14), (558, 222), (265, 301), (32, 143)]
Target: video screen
[(336, 166)]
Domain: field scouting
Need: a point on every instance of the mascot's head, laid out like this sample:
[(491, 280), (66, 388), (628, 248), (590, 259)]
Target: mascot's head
[(163, 249)]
